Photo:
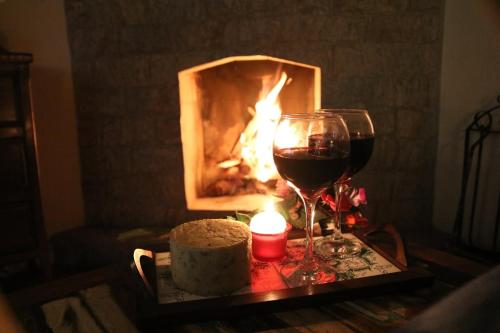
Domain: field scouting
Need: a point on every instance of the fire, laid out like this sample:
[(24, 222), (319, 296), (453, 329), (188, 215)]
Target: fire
[(288, 136), (257, 140)]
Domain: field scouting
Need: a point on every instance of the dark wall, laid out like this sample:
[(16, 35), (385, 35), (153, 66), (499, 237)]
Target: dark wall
[(380, 55)]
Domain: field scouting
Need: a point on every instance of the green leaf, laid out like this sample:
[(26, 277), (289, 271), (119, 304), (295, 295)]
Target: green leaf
[(242, 217)]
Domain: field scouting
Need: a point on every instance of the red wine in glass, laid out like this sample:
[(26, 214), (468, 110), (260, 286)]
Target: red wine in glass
[(311, 170), (361, 138), (361, 151), (310, 151)]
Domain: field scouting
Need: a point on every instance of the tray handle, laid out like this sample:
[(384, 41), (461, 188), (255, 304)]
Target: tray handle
[(391, 230), (138, 253)]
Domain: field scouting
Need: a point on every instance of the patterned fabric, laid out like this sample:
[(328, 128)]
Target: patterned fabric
[(268, 277)]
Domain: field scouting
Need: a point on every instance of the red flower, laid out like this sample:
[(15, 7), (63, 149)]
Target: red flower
[(358, 197), (354, 197), (345, 203)]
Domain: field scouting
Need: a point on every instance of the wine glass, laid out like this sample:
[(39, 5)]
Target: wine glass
[(311, 151), (362, 137)]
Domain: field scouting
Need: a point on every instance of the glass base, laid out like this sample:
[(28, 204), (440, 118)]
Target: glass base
[(328, 248), (297, 275)]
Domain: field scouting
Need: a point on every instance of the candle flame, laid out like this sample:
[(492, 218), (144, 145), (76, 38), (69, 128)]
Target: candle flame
[(268, 222)]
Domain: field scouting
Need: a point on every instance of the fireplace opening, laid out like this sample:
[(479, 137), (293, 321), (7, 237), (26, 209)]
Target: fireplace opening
[(229, 109)]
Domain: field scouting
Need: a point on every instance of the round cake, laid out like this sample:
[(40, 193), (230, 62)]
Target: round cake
[(210, 257)]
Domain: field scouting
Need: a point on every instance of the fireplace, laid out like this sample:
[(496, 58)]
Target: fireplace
[(127, 56), (229, 108)]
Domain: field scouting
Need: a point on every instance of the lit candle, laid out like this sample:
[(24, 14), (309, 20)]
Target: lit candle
[(269, 235)]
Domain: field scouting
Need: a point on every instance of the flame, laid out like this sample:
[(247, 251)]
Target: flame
[(287, 135), (257, 148), (269, 207), (268, 222)]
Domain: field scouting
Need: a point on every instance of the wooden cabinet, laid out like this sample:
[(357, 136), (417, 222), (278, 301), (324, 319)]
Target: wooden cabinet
[(22, 233)]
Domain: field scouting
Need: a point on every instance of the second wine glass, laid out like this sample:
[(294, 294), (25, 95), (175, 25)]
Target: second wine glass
[(362, 136), (311, 151)]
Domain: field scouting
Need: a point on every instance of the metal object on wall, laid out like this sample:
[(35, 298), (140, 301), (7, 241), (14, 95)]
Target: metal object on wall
[(476, 133)]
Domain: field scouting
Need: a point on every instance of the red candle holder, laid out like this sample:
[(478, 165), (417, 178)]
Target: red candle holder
[(270, 247)]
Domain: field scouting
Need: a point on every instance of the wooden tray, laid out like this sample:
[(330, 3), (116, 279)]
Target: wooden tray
[(192, 307)]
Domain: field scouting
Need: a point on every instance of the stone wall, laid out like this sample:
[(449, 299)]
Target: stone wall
[(383, 55)]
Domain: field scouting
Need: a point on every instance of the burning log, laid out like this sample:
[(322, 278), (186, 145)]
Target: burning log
[(227, 164), (234, 179), (235, 186), (249, 132)]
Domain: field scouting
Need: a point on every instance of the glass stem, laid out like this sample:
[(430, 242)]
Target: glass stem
[(310, 208), (337, 219)]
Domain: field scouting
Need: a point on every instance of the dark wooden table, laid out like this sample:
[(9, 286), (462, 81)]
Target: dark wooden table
[(371, 313)]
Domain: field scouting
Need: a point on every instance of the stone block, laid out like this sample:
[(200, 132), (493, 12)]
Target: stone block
[(89, 132), (434, 91), (350, 59), (352, 91), (113, 132), (430, 55), (136, 205), (136, 130), (133, 71), (156, 159), (147, 39), (402, 59), (92, 162), (101, 101), (117, 161), (402, 91), (167, 131), (170, 186), (378, 185), (385, 152), (154, 214), (370, 6), (114, 213), (134, 12), (164, 69), (410, 186), (414, 155), (413, 124), (93, 213), (95, 42), (384, 121), (275, 8), (99, 13), (83, 74), (145, 101), (198, 35), (130, 189), (249, 30), (346, 28), (95, 201), (409, 214), (437, 5), (109, 72), (404, 28)]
